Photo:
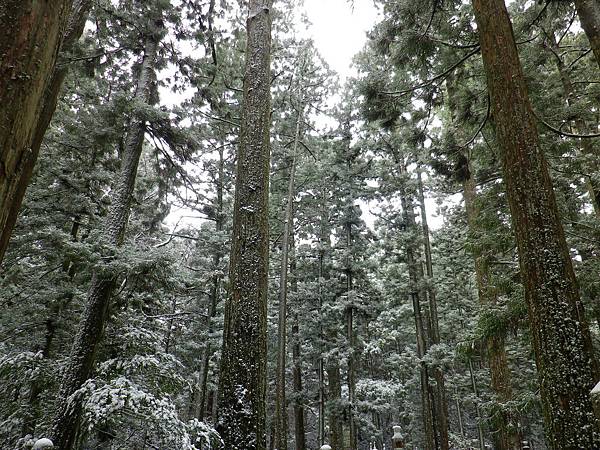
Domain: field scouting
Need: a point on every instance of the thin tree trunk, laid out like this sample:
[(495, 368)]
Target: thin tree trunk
[(440, 391), (299, 427), (477, 408), (589, 17), (280, 402), (32, 122), (420, 331), (215, 294), (321, 368), (242, 378), (565, 360), (83, 352)]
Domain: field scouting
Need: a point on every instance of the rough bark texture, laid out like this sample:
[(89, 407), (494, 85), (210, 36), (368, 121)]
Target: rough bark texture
[(561, 339), (589, 17), (89, 334), (242, 379), (30, 38)]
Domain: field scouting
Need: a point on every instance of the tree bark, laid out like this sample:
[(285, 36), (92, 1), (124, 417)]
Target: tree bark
[(280, 402), (49, 98), (83, 353), (565, 361), (589, 17), (30, 38), (242, 379), (336, 431)]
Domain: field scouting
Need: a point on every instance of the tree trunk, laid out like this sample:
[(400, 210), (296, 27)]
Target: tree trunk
[(440, 390), (321, 364), (89, 334), (280, 402), (589, 17), (38, 95), (427, 405), (336, 431), (200, 407), (506, 437), (477, 408), (564, 356), (242, 379), (299, 428)]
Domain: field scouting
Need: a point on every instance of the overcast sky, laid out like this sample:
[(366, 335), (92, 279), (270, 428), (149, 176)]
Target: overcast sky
[(339, 28)]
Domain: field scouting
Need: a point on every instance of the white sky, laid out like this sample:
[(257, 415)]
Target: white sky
[(339, 29)]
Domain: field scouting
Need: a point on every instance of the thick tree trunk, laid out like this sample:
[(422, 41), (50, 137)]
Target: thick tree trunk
[(242, 379), (565, 361), (18, 180), (281, 428), (89, 334), (589, 17), (336, 430), (441, 402)]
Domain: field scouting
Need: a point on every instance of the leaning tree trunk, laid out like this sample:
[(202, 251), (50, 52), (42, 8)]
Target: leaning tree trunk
[(30, 38), (589, 17), (74, 30), (281, 426), (242, 379), (83, 352), (565, 361)]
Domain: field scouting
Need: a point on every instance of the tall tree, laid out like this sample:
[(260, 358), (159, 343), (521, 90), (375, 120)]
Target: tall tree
[(561, 340), (93, 322), (30, 40), (242, 379)]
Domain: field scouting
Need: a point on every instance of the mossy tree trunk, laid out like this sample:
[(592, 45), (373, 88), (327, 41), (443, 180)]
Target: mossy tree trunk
[(31, 33), (561, 340), (242, 378)]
